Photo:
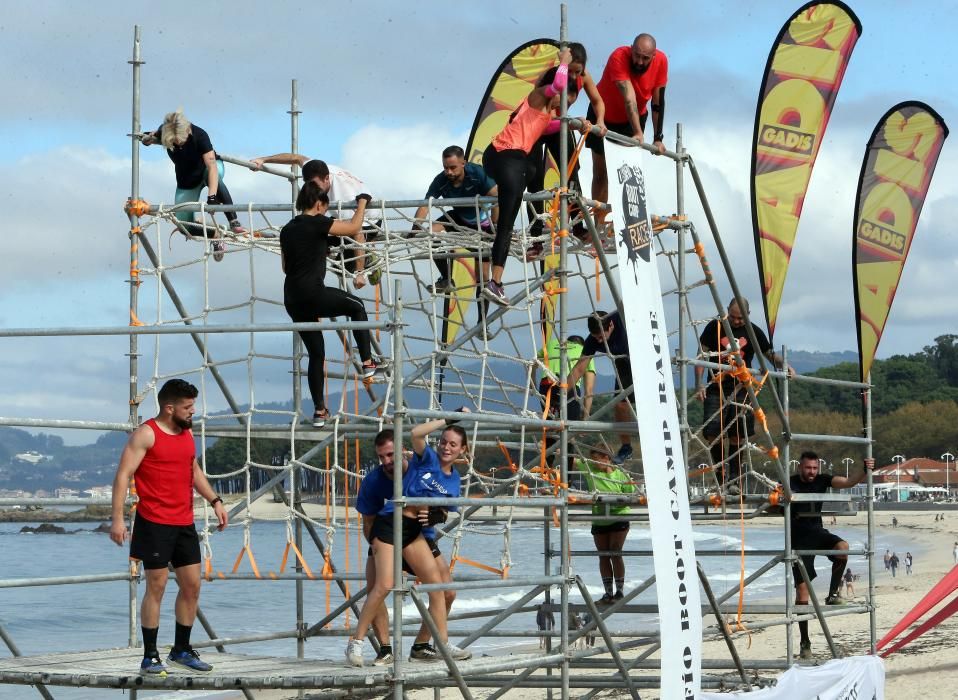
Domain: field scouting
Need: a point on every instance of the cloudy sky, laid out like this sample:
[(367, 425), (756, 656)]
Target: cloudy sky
[(383, 87)]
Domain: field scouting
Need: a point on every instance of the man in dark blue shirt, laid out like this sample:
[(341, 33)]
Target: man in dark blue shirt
[(607, 334), (459, 180)]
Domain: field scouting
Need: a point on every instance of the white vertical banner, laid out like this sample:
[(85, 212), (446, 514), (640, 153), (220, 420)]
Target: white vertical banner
[(666, 479)]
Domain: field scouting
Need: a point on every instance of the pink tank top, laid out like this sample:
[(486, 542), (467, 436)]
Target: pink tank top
[(526, 127)]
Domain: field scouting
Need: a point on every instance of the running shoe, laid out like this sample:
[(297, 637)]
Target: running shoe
[(152, 666), (385, 655), (624, 453), (618, 595), (219, 250), (424, 652), (607, 599), (458, 653), (369, 369), (834, 599), (534, 252), (494, 292), (189, 659), (805, 651), (237, 228), (354, 652), (441, 286), (320, 417)]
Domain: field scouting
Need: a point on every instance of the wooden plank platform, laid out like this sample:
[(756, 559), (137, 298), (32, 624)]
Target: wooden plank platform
[(119, 668)]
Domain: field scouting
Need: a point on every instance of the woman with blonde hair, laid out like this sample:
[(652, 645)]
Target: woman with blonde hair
[(196, 165)]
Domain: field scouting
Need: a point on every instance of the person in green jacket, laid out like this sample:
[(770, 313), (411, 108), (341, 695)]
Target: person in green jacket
[(609, 533)]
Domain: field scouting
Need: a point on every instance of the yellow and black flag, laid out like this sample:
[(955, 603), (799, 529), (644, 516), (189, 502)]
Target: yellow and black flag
[(804, 71), (899, 161)]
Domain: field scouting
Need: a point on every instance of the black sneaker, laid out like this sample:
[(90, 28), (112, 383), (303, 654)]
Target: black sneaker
[(424, 652), (442, 285), (834, 599), (385, 656), (607, 599), (618, 595)]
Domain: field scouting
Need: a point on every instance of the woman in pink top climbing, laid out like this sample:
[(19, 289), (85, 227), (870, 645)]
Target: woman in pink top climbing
[(506, 159)]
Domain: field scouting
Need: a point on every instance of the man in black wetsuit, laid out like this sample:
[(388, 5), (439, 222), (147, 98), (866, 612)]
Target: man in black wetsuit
[(808, 532)]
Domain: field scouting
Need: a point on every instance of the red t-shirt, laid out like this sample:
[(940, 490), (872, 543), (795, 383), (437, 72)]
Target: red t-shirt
[(619, 67), (164, 479)]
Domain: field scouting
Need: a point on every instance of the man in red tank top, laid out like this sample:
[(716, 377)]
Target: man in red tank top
[(162, 457)]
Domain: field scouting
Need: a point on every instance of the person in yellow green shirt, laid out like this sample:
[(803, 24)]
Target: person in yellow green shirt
[(610, 531), (549, 383)]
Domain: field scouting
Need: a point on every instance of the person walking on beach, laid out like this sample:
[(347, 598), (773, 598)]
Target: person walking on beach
[(908, 561), (893, 564), (887, 558), (161, 455), (545, 621), (849, 584), (808, 532), (954, 552)]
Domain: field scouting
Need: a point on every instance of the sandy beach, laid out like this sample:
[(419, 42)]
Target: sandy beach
[(926, 667)]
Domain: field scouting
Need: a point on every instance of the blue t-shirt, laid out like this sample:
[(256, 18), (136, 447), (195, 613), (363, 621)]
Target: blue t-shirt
[(618, 340), (431, 481), (475, 182), (376, 492)]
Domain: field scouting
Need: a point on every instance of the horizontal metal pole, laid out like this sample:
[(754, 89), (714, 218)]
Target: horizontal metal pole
[(56, 501), (57, 423), (519, 501), (194, 328), (628, 141), (846, 439), (490, 583), (779, 374), (820, 498), (61, 580), (243, 640)]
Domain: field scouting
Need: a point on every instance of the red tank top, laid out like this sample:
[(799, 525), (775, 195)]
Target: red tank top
[(164, 479), (523, 131)]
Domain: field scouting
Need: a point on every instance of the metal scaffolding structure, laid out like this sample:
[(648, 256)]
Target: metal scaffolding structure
[(495, 376)]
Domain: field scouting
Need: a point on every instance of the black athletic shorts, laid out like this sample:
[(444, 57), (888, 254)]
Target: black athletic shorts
[(816, 538), (729, 420), (617, 526), (383, 530), (623, 377), (596, 143), (158, 545)]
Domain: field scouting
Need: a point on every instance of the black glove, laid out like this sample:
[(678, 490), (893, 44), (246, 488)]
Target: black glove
[(437, 514), (213, 199), (367, 197)]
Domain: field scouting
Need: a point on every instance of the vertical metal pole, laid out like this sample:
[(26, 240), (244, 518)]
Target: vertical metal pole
[(787, 524), (870, 506), (134, 277), (564, 355), (683, 299), (294, 185), (398, 414)]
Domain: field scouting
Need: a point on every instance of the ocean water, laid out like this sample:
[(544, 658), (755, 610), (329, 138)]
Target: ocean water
[(44, 619)]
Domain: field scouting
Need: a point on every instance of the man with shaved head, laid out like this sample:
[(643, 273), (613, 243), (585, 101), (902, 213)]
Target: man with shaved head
[(633, 76)]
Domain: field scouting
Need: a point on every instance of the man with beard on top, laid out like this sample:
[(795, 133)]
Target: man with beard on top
[(633, 76), (161, 455), (808, 532)]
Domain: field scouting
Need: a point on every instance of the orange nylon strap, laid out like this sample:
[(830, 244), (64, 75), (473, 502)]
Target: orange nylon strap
[(252, 561), (476, 564)]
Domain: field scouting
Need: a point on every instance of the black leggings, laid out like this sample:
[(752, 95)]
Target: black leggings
[(328, 303), (513, 171)]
